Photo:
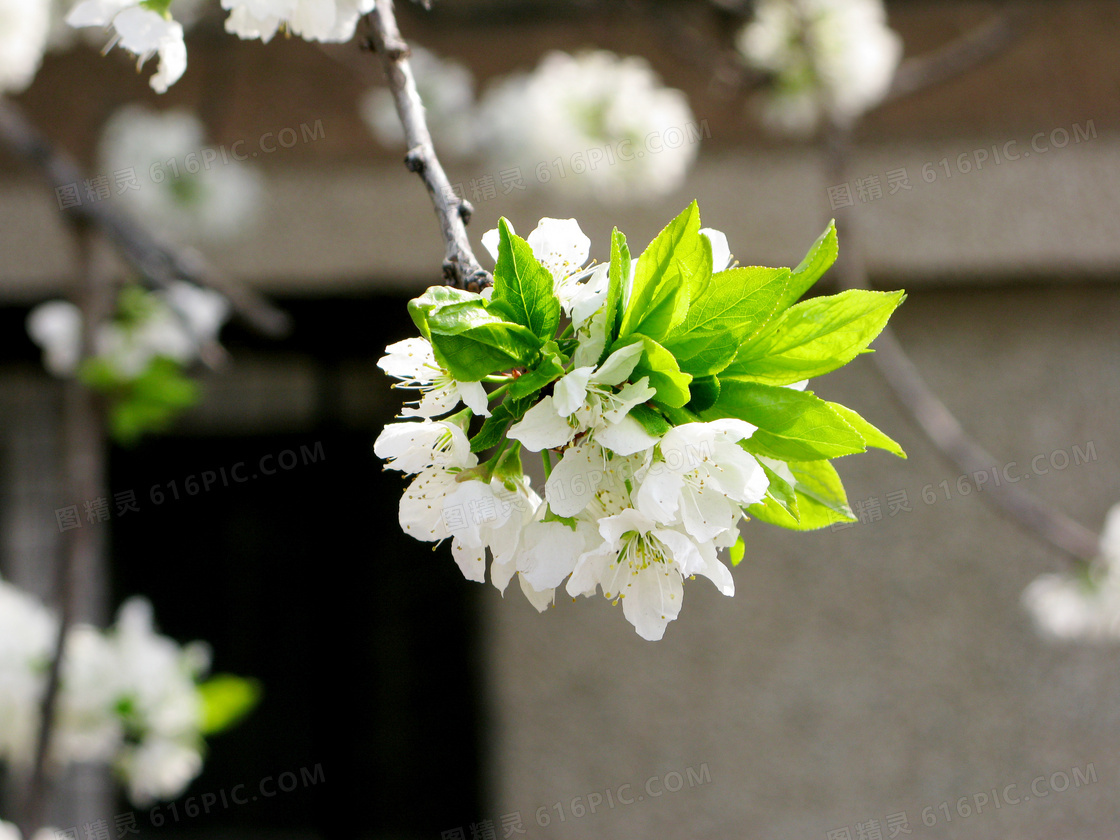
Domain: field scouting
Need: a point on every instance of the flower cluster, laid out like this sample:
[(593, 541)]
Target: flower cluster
[(176, 195), (129, 697), (139, 355), (670, 388), (829, 59), (1085, 606), (593, 123), (146, 27)]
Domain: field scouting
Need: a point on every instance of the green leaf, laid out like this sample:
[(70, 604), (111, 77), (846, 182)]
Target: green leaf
[(501, 418), (666, 270), (821, 500), (870, 434), (226, 700), (471, 342), (618, 278), (815, 337), (736, 305), (508, 470), (819, 259), (704, 393), (650, 420), (549, 369), (781, 491), (664, 374), (792, 425), (435, 299), (523, 287), (737, 551)]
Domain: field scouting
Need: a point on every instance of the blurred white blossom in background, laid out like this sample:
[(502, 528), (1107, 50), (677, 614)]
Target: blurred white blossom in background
[(140, 30), (1086, 606), (829, 59), (24, 26), (174, 323), (446, 88), (313, 20), (128, 696), (590, 124), (181, 193)]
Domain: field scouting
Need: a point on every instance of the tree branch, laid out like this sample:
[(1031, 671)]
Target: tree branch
[(158, 262), (460, 268), (84, 462), (931, 415), (958, 56)]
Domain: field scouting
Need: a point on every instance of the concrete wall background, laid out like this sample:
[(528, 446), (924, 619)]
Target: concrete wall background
[(864, 672)]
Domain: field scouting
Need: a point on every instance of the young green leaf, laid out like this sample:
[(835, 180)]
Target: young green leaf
[(781, 490), (549, 369), (871, 435), (650, 420), (792, 425), (738, 549), (819, 259), (435, 299), (821, 500), (815, 337), (704, 393), (226, 700), (664, 373), (666, 270), (472, 342), (523, 287), (618, 280), (735, 306), (501, 418)]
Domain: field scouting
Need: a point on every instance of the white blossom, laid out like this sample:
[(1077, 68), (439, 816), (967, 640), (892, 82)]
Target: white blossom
[(313, 20), (829, 58), (181, 192), (127, 696), (414, 447), (1086, 606), (173, 323), (644, 566), (141, 31), (24, 27), (618, 133), (702, 478), (562, 247), (414, 363), (446, 88)]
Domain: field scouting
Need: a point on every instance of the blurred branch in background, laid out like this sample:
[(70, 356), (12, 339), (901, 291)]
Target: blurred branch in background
[(460, 267), (159, 263), (964, 53), (80, 571)]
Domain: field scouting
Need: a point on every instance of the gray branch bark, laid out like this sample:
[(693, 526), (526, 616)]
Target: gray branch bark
[(460, 268)]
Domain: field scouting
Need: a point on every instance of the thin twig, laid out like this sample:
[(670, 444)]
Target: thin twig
[(958, 56), (460, 268), (929, 412), (158, 262)]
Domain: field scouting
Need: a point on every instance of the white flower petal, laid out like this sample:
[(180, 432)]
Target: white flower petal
[(474, 397), (541, 428), (560, 246), (625, 437), (619, 365), (471, 560), (721, 253), (571, 390), (575, 480)]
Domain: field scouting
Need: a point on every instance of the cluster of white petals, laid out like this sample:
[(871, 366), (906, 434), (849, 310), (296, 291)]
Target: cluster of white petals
[(1086, 607), (624, 511), (181, 194), (312, 20), (24, 27), (175, 324), (128, 696), (142, 31), (830, 59), (594, 124)]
